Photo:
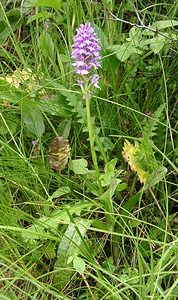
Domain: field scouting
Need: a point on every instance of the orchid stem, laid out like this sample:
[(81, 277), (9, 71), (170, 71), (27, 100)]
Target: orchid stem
[(91, 139)]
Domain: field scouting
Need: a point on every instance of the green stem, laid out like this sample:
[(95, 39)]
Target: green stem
[(91, 138)]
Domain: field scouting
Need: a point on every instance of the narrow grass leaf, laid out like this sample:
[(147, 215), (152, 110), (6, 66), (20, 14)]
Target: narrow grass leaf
[(47, 3)]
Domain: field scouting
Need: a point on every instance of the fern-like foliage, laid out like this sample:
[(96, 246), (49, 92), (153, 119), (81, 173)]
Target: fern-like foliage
[(151, 124), (77, 107), (141, 156), (75, 102)]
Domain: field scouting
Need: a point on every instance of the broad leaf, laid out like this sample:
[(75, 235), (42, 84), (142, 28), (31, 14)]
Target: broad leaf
[(59, 216), (70, 246), (102, 37), (60, 192), (79, 166), (64, 128), (14, 19), (164, 24), (109, 172), (56, 105), (41, 16), (155, 177), (157, 43), (125, 50), (32, 117), (47, 44), (79, 264)]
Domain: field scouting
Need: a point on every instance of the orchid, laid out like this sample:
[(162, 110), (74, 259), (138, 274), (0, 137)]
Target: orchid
[(86, 55)]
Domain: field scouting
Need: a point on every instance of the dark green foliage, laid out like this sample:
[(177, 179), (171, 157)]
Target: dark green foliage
[(78, 234)]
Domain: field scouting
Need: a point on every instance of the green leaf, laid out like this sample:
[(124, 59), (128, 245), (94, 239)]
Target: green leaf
[(124, 213), (135, 37), (42, 16), (108, 265), (110, 62), (56, 106), (101, 36), (79, 264), (131, 202), (125, 50), (49, 250), (14, 19), (59, 216), (64, 128), (73, 100), (109, 172), (47, 3), (157, 43), (69, 246), (151, 124), (79, 166), (164, 24), (11, 125), (92, 186), (60, 192), (107, 202), (121, 186), (11, 296), (47, 45), (134, 223), (155, 177), (32, 117)]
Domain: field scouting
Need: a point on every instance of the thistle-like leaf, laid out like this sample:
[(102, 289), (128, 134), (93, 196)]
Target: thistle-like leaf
[(129, 154)]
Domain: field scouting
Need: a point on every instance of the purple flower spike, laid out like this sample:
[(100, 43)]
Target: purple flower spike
[(85, 53), (94, 80)]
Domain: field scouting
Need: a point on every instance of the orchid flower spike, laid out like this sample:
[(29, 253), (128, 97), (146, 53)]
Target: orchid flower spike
[(86, 55)]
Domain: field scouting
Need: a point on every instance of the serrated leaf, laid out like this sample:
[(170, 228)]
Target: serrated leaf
[(73, 100), (129, 154), (79, 166), (79, 265), (150, 126), (32, 117)]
